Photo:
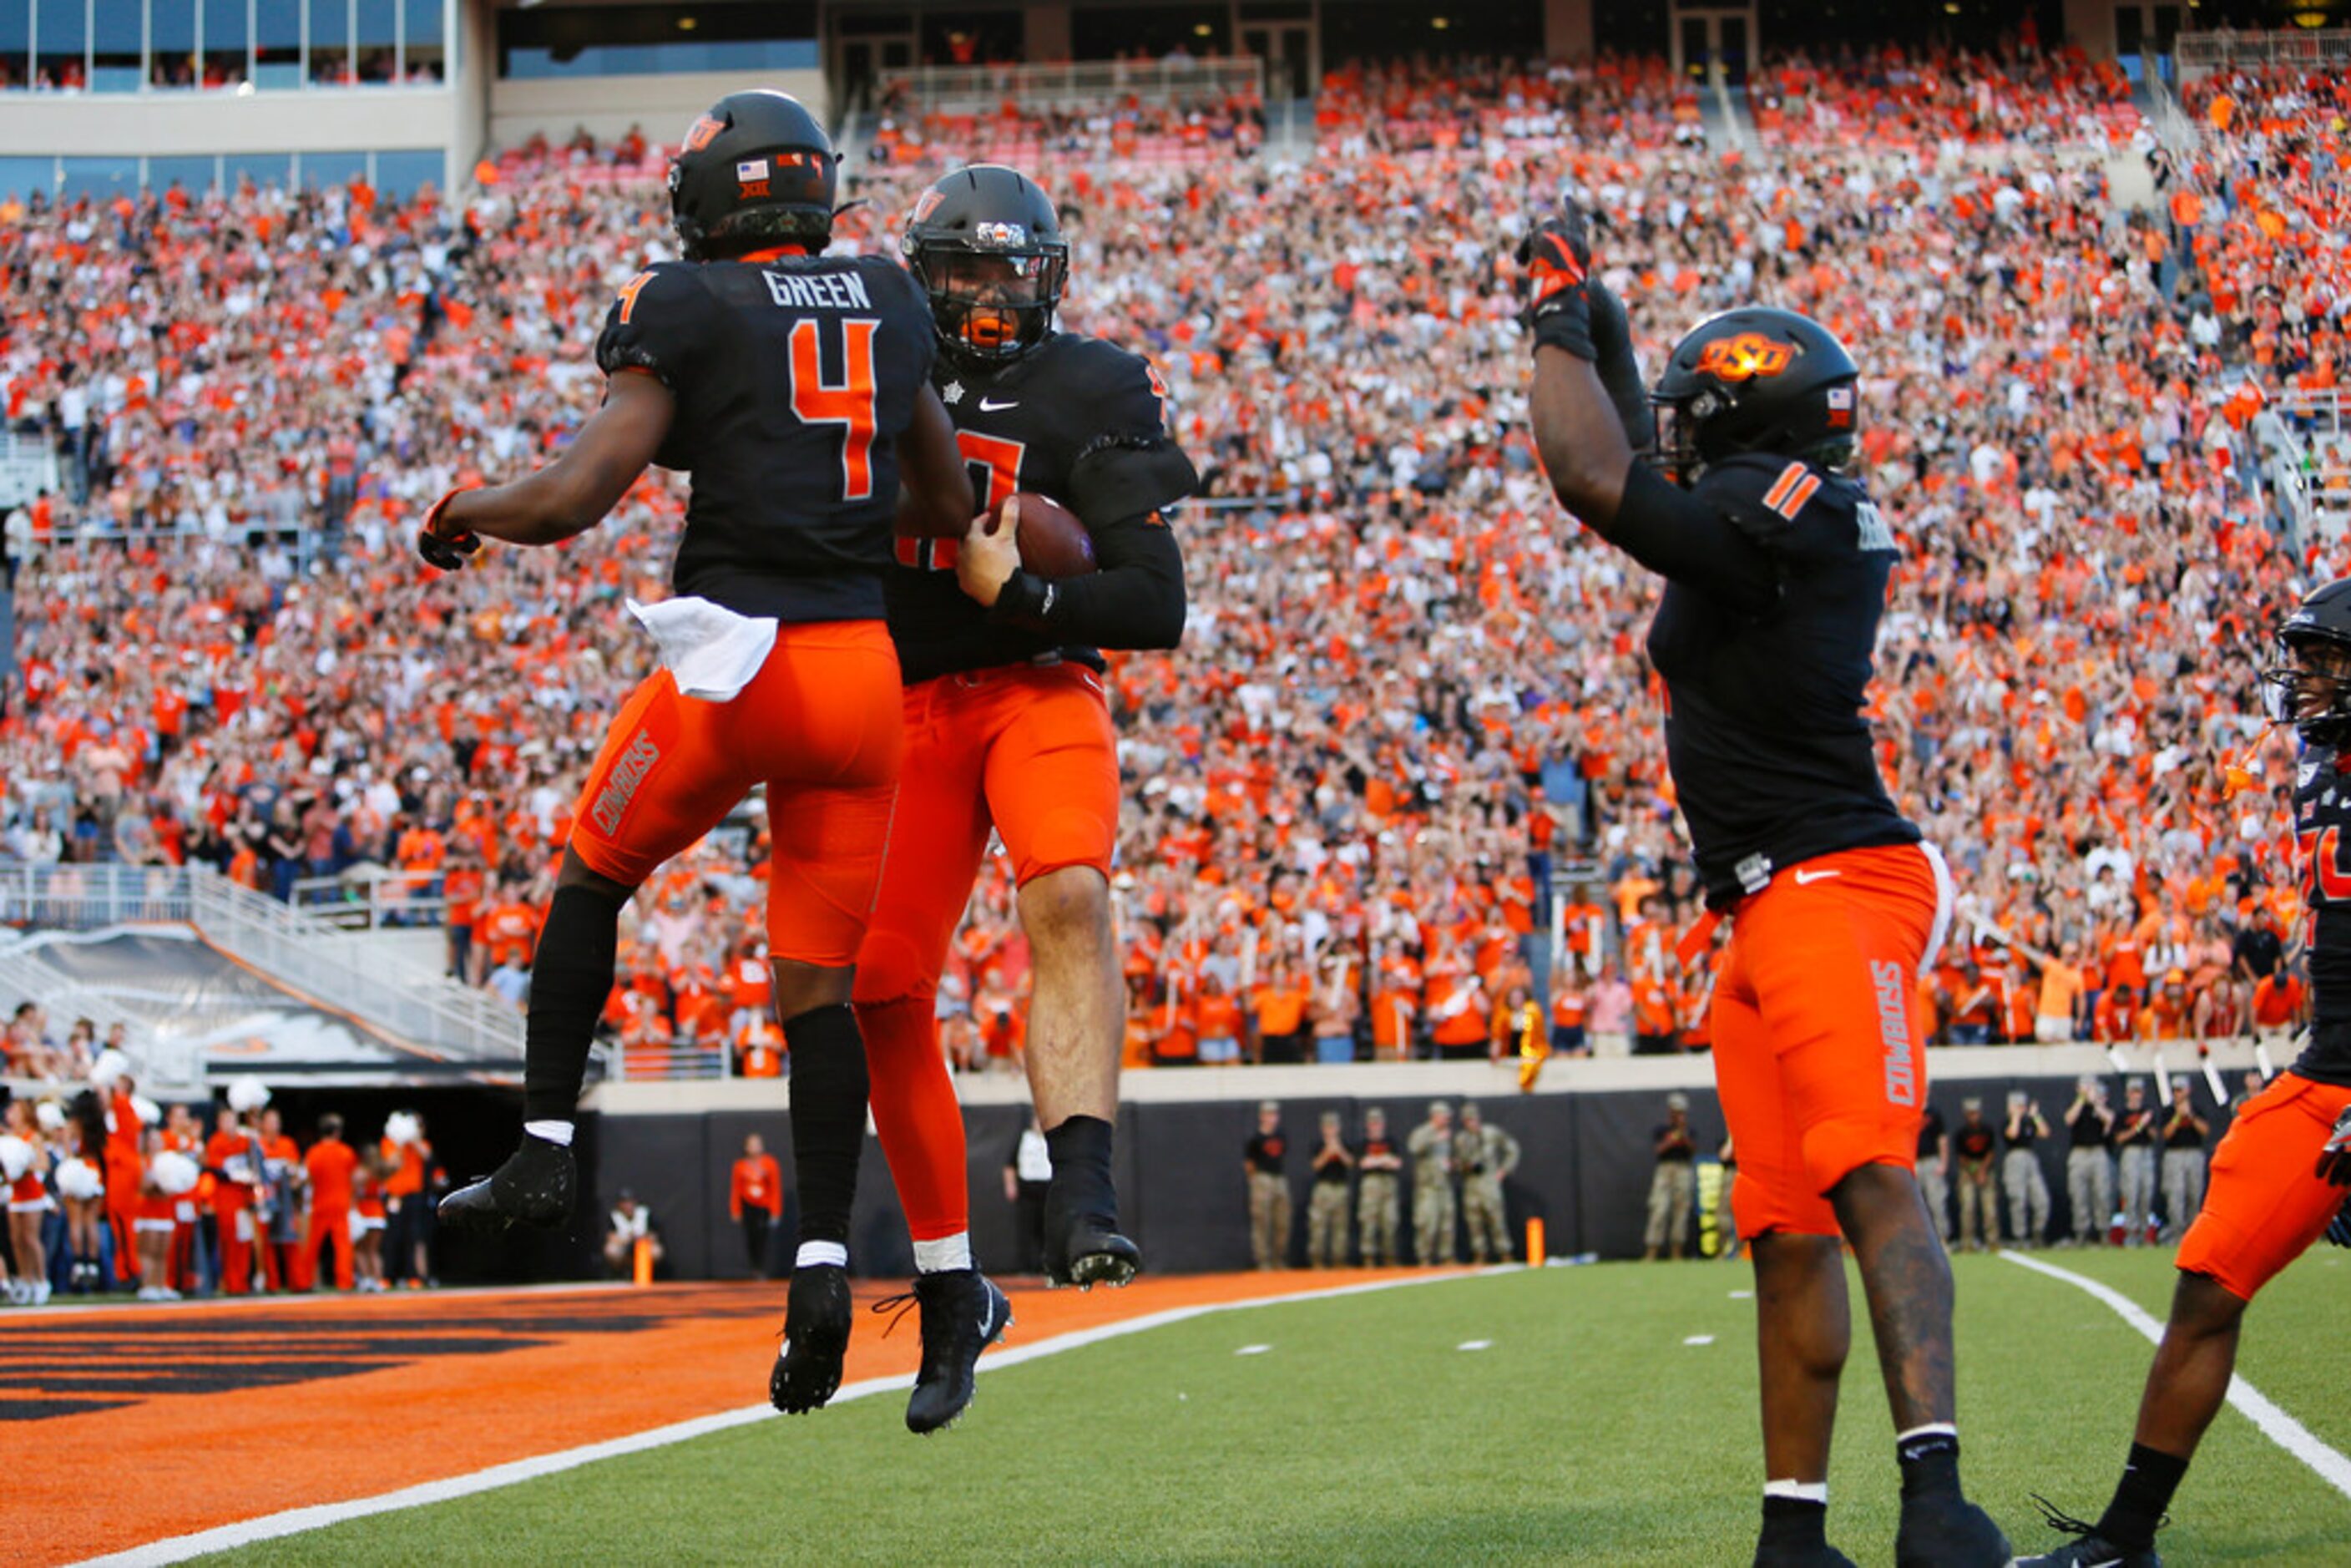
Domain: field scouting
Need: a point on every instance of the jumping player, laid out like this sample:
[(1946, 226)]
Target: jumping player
[(795, 391), (1007, 727), (2278, 1177), (1776, 565)]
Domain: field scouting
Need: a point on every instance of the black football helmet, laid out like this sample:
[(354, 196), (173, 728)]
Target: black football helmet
[(757, 170), (986, 246), (1755, 380), (2310, 680)]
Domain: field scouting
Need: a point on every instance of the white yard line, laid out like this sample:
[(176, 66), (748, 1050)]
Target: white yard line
[(2328, 1463), (294, 1521)]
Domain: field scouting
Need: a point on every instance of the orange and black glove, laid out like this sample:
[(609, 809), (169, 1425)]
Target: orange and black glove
[(1557, 257), (442, 547)]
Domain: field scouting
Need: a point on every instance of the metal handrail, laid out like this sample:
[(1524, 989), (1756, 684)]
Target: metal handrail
[(329, 898), (341, 971), (955, 89), (2326, 48)]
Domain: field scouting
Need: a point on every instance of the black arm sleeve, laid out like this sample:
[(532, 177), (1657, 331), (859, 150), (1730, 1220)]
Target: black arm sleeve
[(1135, 601), (1680, 536)]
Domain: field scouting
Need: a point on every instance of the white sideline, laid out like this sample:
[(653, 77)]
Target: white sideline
[(2279, 1427), (295, 1520)]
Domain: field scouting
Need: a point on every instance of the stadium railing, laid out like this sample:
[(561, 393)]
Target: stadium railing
[(953, 89), (682, 1058), (370, 897), (339, 970), (2326, 48), (28, 467)]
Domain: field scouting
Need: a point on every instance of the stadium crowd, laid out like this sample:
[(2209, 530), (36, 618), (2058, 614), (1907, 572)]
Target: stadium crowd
[(1411, 729)]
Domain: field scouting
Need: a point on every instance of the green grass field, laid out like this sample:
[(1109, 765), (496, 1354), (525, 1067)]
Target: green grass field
[(1588, 1431)]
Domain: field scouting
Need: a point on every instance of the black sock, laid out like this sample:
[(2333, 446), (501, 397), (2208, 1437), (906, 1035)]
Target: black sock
[(569, 980), (1930, 1464), (829, 1089), (1794, 1522), (2149, 1478), (1080, 1150)]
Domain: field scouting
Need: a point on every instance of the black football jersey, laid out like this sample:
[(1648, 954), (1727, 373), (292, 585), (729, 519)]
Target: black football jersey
[(2322, 821), (795, 379), (1022, 427), (1766, 675)]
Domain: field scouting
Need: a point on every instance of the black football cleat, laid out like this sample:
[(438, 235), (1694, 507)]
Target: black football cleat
[(1082, 1244), (816, 1340), (963, 1314), (2088, 1549), (1949, 1532), (1821, 1556), (538, 1185)]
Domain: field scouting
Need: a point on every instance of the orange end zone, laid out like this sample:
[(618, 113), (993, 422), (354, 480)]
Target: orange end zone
[(160, 1421)]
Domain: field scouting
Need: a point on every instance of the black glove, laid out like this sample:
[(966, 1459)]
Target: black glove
[(1620, 372), (441, 549), (1557, 257), (2334, 1156), (2340, 1231)]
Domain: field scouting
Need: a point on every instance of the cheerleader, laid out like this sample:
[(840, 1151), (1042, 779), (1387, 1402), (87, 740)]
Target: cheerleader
[(368, 1219), (24, 1162), (82, 1186)]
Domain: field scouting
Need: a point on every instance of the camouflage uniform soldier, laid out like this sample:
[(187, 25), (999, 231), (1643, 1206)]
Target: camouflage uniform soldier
[(1377, 1206), (1269, 1189), (1486, 1155), (1326, 1210), (1432, 1185)]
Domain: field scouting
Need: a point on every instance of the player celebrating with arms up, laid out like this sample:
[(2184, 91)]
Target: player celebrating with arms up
[(1008, 727), (794, 388), (2278, 1177), (1776, 565)]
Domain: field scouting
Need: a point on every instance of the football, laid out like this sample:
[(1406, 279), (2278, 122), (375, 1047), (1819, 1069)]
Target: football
[(1053, 543)]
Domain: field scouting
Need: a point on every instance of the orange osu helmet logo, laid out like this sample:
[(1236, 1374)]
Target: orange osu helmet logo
[(1745, 357), (703, 132)]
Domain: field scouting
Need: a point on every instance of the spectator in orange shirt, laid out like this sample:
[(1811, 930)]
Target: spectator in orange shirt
[(2165, 1016), (755, 1199), (759, 1048), (330, 1164), (1217, 1021), (1280, 1003)]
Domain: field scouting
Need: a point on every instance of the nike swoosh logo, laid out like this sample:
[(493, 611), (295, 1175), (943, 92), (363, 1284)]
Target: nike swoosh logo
[(1806, 878), (987, 405), (987, 1319)]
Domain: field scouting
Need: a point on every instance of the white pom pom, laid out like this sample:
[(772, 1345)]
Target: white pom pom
[(148, 1113), (79, 1179), (50, 1115), (174, 1174), (15, 1157), (247, 1094), (400, 1128), (110, 1066)]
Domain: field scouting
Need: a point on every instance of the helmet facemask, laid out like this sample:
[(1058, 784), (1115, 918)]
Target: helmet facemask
[(992, 306), (2309, 687)]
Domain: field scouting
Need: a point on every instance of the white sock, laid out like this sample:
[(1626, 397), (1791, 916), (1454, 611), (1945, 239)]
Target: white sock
[(821, 1255), (1802, 1491), (549, 1132), (948, 1253)]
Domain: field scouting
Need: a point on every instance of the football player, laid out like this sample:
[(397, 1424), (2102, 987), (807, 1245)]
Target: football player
[(2278, 1177), (794, 390), (1776, 565), (1009, 729)]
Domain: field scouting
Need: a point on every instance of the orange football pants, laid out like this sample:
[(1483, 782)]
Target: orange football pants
[(331, 1225), (1027, 751), (820, 725), (232, 1219), (1819, 1051), (2266, 1203)]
